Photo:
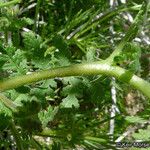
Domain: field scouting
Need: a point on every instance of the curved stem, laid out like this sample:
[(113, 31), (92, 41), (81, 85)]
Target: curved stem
[(94, 68)]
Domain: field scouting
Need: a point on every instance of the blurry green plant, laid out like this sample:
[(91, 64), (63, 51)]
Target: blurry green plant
[(43, 41)]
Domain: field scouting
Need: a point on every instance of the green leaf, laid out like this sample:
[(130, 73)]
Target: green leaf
[(23, 89), (134, 28), (90, 54), (27, 110), (131, 33), (129, 57), (30, 124), (135, 119), (14, 60), (70, 101), (4, 23), (33, 45), (4, 121), (61, 45), (47, 115), (143, 134), (62, 53)]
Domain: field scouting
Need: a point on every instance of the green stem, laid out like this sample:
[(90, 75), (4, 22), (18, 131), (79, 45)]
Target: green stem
[(16, 136), (7, 4), (132, 32), (51, 133), (36, 15), (94, 68), (7, 102), (100, 140), (35, 144)]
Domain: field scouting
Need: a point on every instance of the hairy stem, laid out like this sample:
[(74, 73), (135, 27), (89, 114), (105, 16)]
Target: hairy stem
[(94, 68)]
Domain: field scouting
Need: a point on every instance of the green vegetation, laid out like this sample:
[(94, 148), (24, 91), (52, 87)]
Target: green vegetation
[(74, 74)]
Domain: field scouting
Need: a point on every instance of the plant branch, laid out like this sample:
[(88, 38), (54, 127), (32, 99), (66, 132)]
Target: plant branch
[(94, 68), (7, 102), (132, 32)]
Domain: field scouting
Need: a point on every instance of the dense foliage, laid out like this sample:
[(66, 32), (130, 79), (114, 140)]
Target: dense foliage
[(93, 101)]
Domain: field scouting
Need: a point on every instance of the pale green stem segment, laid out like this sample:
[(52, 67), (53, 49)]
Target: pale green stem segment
[(7, 102), (7, 4), (95, 68)]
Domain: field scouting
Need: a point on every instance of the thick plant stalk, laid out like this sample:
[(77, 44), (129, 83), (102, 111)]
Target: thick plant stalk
[(94, 68)]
